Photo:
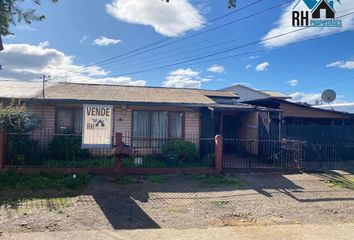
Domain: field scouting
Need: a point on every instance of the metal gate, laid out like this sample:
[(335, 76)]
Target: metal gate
[(262, 154)]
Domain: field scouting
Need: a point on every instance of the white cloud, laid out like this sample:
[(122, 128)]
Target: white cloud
[(262, 67), (248, 66), (284, 25), (83, 39), (293, 82), (216, 69), (43, 44), (310, 98), (184, 78), (342, 64), (169, 19), (253, 57), (25, 28), (105, 41), (28, 62)]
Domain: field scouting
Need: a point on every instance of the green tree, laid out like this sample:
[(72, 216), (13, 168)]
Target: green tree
[(11, 13)]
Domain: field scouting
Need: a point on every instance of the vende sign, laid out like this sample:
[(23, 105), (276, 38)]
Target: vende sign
[(97, 127)]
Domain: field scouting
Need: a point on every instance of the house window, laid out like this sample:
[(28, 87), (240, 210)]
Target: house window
[(156, 126), (69, 120)]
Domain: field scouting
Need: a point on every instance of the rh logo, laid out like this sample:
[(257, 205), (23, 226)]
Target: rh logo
[(320, 13)]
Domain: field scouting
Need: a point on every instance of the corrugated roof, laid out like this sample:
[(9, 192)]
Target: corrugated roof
[(130, 94)]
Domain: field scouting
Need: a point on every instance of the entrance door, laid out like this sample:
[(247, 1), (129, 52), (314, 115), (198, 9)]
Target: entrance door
[(229, 126)]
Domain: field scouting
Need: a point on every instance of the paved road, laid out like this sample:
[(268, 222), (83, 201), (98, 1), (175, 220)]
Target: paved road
[(289, 232)]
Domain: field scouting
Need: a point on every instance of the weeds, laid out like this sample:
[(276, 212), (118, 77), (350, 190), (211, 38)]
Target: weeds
[(218, 181), (341, 182)]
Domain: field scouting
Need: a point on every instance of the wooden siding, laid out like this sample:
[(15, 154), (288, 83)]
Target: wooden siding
[(290, 110), (192, 125)]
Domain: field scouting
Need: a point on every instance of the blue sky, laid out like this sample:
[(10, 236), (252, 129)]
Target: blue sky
[(80, 33)]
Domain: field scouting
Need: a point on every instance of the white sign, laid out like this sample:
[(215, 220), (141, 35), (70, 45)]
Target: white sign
[(97, 127)]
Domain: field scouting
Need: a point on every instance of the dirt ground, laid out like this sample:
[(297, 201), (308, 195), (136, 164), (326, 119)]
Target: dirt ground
[(180, 203)]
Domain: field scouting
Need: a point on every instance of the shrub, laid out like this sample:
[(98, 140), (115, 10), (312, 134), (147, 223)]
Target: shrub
[(209, 160), (22, 149), (67, 148), (184, 150)]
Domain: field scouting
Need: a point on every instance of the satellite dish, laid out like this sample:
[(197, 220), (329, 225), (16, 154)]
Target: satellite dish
[(329, 96)]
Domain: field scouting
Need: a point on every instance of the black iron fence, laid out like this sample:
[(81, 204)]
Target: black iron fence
[(46, 148), (188, 151), (262, 154), (328, 155)]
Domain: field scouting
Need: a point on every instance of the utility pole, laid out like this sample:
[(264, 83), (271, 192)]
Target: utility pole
[(44, 80)]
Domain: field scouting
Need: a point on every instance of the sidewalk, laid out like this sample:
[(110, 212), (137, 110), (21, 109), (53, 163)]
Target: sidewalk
[(289, 232)]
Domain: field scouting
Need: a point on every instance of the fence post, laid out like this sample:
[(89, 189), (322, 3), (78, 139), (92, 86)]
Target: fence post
[(218, 153), (119, 141), (2, 149)]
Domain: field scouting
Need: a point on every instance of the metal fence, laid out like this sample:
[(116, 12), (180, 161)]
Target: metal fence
[(188, 151), (328, 155), (46, 148), (261, 154)]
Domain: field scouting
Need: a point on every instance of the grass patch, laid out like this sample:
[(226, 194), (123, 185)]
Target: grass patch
[(156, 178), (16, 181), (341, 182), (218, 181), (49, 191), (219, 203)]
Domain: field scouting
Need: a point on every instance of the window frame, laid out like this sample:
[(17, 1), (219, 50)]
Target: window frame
[(169, 116), (73, 120)]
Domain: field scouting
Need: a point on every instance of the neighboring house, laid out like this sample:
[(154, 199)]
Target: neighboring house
[(324, 5), (309, 123), (249, 94), (147, 112)]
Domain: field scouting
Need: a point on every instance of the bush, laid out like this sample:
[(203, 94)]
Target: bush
[(185, 151), (67, 148), (209, 160), (22, 150)]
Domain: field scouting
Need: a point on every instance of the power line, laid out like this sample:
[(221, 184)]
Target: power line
[(224, 50), (137, 51)]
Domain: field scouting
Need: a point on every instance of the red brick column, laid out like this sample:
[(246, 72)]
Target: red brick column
[(218, 153), (2, 149), (119, 141)]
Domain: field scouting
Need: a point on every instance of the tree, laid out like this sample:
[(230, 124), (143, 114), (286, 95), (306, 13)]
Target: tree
[(11, 14)]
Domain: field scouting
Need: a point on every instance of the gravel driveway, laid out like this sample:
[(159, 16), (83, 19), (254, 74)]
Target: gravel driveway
[(180, 203)]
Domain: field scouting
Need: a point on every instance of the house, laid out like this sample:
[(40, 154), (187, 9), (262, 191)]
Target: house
[(248, 94), (323, 5), (312, 124), (145, 112), (298, 120)]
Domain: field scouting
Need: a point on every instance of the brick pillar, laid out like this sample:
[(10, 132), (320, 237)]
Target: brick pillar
[(218, 153), (119, 141), (2, 149)]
